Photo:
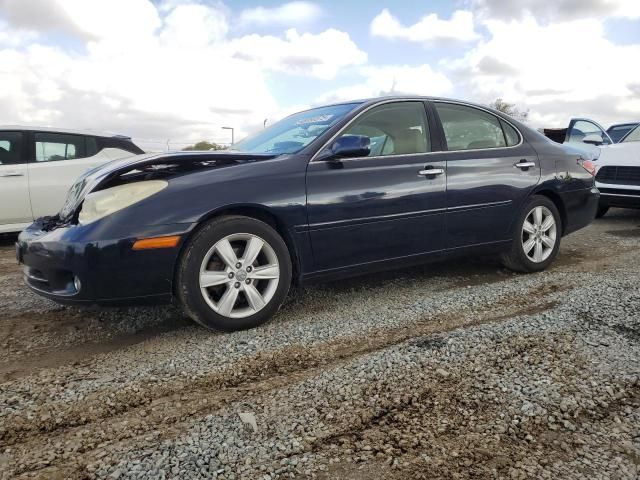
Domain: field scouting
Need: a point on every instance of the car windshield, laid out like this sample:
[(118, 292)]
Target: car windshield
[(632, 136), (294, 132)]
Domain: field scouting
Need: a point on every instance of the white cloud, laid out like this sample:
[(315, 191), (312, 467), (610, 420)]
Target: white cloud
[(322, 55), (429, 29), (36, 15), (555, 70), (90, 19), (192, 26), (393, 80), (14, 38), (556, 10), (168, 72), (288, 14)]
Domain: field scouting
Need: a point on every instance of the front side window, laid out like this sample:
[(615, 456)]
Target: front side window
[(468, 128), (52, 147), (582, 129), (393, 129), (10, 148), (633, 136), (294, 132)]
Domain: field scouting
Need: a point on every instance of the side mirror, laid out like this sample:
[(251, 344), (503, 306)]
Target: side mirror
[(593, 139), (349, 146)]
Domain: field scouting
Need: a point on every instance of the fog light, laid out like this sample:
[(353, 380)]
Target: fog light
[(77, 284)]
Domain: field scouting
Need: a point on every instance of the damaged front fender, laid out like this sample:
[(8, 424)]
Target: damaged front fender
[(145, 167)]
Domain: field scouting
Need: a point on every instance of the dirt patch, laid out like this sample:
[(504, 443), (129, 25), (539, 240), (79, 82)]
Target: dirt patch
[(64, 336), (130, 414), (628, 233), (631, 332), (451, 428)]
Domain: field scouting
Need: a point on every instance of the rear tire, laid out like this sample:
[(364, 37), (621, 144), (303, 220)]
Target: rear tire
[(536, 236), (233, 274), (602, 211)]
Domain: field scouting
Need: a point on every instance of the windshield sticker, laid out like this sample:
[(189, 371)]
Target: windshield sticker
[(318, 119)]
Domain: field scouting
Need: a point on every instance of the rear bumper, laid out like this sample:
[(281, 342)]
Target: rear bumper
[(581, 207), (71, 266)]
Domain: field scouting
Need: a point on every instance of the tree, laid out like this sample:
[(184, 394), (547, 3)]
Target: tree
[(510, 109), (204, 145)]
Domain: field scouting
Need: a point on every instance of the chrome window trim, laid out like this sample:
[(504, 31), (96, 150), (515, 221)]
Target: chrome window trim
[(421, 100)]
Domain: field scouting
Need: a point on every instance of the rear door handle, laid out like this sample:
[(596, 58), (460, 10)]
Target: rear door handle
[(427, 172), (524, 165), (12, 174)]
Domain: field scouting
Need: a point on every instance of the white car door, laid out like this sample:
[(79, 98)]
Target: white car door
[(60, 159), (587, 135), (15, 208)]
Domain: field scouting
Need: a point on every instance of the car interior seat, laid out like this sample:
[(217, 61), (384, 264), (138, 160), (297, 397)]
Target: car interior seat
[(410, 140), (482, 144)]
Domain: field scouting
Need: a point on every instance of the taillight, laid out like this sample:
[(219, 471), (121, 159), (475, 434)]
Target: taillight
[(589, 166)]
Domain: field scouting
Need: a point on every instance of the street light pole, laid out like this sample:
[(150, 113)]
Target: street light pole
[(232, 133)]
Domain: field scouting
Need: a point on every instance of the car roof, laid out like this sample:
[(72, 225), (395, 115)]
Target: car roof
[(384, 98), (387, 98), (63, 130)]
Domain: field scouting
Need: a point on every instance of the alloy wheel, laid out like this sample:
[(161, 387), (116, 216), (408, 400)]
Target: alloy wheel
[(539, 234), (239, 275)]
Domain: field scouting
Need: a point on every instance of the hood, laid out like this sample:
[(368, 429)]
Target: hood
[(147, 166), (623, 154)]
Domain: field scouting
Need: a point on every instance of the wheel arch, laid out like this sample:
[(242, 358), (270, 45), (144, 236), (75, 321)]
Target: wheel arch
[(557, 201), (257, 212)]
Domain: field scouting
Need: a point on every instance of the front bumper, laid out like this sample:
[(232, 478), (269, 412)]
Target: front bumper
[(623, 196), (85, 264)]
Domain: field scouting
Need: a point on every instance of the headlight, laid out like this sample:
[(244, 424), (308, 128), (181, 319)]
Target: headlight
[(105, 202)]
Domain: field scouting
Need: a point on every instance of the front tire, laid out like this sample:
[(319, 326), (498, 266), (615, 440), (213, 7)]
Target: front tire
[(536, 236), (234, 274)]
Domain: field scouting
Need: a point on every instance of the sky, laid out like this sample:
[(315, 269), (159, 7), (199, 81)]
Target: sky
[(178, 71)]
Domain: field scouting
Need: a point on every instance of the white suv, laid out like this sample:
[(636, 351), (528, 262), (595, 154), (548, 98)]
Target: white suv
[(618, 173), (38, 165)]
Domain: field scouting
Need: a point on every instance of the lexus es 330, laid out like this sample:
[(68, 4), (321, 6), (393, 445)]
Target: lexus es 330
[(343, 189)]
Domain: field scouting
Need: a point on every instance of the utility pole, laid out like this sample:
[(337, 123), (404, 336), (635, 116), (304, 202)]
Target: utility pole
[(232, 134)]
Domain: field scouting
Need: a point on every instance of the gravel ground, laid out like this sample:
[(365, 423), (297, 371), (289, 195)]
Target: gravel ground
[(455, 370)]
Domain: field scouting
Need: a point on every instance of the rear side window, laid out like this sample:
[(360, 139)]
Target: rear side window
[(468, 128), (92, 146), (11, 148), (510, 134), (53, 147)]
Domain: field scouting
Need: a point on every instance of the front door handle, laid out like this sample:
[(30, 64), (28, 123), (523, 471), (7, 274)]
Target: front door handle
[(12, 174), (428, 172), (524, 165)]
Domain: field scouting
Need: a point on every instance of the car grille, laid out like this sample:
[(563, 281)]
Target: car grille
[(619, 175)]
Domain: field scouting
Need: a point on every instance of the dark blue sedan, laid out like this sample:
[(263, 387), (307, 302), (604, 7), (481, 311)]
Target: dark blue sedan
[(333, 191)]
